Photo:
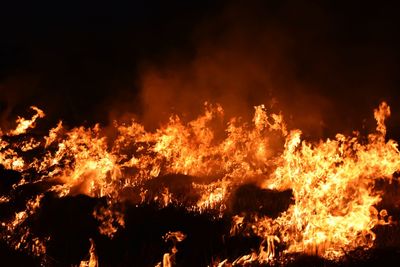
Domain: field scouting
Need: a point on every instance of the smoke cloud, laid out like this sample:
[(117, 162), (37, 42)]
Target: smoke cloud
[(325, 65)]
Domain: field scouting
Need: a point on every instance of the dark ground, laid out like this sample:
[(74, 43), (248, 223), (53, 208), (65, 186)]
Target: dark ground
[(70, 224)]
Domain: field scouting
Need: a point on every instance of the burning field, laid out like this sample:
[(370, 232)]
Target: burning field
[(213, 191), (200, 133)]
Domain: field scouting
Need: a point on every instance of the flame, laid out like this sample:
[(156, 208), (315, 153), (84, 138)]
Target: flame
[(93, 261), (168, 258), (332, 181), (23, 124)]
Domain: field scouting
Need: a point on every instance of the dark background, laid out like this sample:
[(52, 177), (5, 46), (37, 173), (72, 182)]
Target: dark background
[(326, 63)]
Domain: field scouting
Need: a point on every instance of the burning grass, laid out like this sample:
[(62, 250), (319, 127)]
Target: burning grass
[(241, 193)]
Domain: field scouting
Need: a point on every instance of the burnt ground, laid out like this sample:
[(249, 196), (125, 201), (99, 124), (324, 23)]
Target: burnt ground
[(70, 224)]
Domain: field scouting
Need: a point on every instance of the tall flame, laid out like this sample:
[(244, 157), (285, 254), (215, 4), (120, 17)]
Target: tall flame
[(332, 181)]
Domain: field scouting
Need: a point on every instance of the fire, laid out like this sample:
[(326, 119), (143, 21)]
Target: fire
[(168, 258), (93, 261), (23, 124), (335, 199)]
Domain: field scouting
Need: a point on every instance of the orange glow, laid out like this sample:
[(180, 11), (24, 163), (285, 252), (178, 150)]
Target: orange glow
[(333, 180)]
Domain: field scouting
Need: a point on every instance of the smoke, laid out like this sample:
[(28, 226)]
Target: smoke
[(293, 57), (325, 65)]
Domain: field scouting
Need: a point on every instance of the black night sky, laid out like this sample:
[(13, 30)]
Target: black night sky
[(328, 63)]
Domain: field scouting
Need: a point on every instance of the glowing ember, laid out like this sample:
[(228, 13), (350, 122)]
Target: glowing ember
[(333, 181)]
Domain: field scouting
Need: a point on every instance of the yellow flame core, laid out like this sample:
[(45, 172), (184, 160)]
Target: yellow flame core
[(333, 180)]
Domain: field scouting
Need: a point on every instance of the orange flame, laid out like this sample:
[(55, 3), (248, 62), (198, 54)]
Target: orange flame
[(333, 180)]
